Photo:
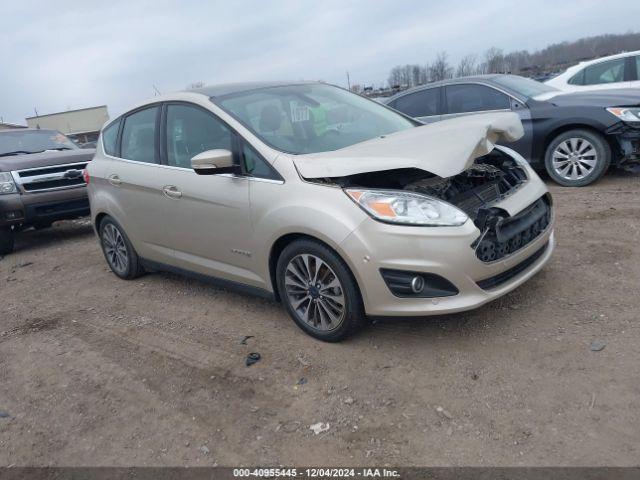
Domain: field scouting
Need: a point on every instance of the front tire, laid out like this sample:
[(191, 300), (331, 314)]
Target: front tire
[(6, 240), (118, 251), (319, 291), (577, 158)]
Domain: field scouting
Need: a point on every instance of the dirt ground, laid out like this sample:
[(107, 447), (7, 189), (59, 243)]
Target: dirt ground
[(98, 371)]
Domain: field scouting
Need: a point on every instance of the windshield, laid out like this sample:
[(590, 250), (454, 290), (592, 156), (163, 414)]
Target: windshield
[(16, 142), (524, 86), (311, 118)]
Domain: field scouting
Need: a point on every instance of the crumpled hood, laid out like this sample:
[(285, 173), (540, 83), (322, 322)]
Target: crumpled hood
[(443, 148)]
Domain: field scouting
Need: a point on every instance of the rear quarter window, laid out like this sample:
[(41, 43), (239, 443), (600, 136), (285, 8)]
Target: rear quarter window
[(110, 138), (577, 79)]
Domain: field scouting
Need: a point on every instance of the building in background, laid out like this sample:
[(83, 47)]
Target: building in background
[(10, 126), (81, 125)]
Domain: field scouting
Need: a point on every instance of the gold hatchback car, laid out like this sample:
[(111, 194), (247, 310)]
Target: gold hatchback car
[(337, 206)]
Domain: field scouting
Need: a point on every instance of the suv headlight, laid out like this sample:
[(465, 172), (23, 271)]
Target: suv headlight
[(407, 208), (7, 185), (626, 114)]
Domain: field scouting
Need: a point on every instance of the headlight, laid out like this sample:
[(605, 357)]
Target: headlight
[(407, 208), (627, 114), (7, 185)]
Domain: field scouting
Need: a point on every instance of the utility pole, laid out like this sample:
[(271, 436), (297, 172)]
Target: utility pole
[(348, 81), (157, 91), (36, 110)]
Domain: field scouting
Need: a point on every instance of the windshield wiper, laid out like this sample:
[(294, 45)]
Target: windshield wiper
[(17, 152)]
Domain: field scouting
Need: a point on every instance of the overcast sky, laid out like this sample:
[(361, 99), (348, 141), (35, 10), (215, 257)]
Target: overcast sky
[(64, 55)]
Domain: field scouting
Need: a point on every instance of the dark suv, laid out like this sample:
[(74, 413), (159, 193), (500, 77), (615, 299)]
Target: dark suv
[(41, 181)]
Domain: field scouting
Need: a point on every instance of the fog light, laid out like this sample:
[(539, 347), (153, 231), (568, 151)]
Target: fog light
[(417, 284), (406, 284)]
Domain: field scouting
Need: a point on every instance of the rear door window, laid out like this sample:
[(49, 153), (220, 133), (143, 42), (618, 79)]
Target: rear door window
[(139, 136), (474, 98), (605, 72), (424, 103)]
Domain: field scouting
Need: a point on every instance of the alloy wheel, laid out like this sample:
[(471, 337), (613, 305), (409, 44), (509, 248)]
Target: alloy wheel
[(574, 158), (315, 292), (115, 249)]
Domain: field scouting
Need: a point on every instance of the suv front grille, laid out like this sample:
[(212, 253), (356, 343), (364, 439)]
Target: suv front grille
[(50, 178)]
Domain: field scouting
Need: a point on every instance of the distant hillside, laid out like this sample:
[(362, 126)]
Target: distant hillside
[(539, 64)]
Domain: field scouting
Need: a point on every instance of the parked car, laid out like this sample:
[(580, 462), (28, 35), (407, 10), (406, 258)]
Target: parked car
[(614, 71), (40, 181), (575, 137), (329, 202)]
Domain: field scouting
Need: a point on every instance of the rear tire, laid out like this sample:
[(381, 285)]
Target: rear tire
[(118, 251), (6, 240), (319, 291), (577, 158)]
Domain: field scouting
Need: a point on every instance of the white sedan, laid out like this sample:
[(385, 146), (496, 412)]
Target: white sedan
[(615, 71)]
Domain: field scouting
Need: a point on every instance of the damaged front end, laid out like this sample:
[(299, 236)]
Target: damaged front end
[(627, 138), (476, 191)]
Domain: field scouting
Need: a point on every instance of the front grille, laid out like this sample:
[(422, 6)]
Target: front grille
[(51, 178), (509, 180), (497, 280), (506, 235)]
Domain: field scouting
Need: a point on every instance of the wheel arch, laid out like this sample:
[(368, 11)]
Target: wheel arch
[(286, 239), (551, 135), (98, 220)]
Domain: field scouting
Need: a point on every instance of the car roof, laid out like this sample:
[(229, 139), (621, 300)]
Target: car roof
[(232, 88), (609, 57), (570, 71), (486, 79)]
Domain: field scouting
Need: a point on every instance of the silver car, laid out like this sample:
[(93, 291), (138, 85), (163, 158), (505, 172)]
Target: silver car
[(336, 206)]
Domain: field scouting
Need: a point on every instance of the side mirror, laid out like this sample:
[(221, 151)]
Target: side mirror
[(212, 162)]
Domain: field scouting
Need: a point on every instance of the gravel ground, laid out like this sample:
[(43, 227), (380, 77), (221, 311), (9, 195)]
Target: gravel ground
[(99, 371)]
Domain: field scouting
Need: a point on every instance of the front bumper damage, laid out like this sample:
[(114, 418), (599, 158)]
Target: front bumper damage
[(627, 138), (445, 252)]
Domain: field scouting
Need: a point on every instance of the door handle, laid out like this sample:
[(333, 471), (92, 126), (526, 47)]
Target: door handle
[(115, 180), (171, 191)]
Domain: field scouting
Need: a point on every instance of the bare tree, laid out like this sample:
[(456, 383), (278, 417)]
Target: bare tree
[(494, 60), (406, 76), (440, 69), (515, 62), (467, 66), (553, 58)]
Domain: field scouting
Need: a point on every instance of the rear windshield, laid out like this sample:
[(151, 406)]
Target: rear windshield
[(524, 86), (18, 142), (311, 118)]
